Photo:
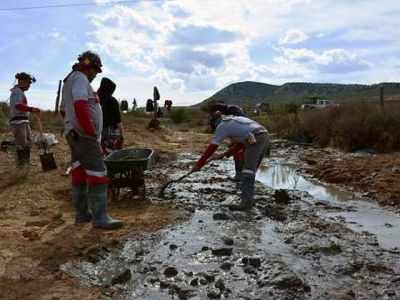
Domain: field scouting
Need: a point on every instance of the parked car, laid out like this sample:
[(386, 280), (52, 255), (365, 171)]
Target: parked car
[(319, 104)]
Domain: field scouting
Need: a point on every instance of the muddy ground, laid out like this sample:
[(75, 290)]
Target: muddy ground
[(187, 247), (285, 248), (378, 175)]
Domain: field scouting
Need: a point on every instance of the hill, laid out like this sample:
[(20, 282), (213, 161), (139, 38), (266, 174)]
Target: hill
[(251, 93)]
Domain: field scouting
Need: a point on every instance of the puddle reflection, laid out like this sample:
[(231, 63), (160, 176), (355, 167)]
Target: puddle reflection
[(364, 216)]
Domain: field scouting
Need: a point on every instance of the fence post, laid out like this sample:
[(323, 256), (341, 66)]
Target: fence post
[(58, 96), (382, 96)]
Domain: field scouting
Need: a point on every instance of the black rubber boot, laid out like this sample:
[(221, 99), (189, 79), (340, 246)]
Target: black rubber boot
[(247, 196), (97, 196), (20, 158), (238, 169), (80, 200), (27, 156)]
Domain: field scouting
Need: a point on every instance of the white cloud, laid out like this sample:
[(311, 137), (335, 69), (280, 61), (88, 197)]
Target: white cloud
[(293, 36), (329, 61), (191, 45)]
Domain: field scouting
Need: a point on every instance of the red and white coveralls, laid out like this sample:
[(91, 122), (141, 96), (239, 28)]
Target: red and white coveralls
[(83, 126)]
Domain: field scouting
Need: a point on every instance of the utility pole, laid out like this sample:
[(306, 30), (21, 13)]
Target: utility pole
[(58, 96), (382, 96)]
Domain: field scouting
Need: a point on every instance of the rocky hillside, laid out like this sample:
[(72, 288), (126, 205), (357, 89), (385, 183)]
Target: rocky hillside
[(251, 93)]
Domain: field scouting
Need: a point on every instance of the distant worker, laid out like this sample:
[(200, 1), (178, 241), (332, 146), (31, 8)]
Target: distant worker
[(112, 136), (19, 117), (150, 105), (124, 106), (83, 127), (134, 105), (160, 113), (245, 134), (168, 105)]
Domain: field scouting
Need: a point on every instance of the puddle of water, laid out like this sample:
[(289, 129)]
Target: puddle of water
[(281, 176), (363, 216)]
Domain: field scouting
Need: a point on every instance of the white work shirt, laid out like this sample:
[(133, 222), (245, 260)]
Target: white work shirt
[(77, 87), (16, 116), (238, 129)]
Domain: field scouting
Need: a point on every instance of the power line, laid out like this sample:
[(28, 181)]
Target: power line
[(74, 5)]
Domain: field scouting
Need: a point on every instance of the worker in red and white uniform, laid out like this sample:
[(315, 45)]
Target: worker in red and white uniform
[(83, 125), (19, 117), (245, 135)]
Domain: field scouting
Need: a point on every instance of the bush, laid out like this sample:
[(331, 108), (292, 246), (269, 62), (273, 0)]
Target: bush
[(348, 127), (3, 115), (180, 115)]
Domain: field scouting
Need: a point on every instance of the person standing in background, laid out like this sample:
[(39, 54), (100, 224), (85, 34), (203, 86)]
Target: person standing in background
[(112, 137), (19, 117)]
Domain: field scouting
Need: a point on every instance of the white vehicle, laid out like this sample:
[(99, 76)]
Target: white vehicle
[(319, 104)]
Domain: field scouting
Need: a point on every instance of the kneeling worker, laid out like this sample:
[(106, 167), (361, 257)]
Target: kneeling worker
[(19, 117), (83, 126), (245, 134)]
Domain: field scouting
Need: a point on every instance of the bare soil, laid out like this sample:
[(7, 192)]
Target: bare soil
[(378, 175), (37, 233)]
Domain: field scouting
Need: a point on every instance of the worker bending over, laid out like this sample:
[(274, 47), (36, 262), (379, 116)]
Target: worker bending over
[(248, 136), (19, 117), (83, 127)]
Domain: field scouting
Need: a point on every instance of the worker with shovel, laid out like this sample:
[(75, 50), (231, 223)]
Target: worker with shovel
[(246, 135), (217, 111), (19, 117), (83, 126)]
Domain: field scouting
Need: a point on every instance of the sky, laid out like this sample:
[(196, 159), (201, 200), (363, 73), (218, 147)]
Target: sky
[(190, 49)]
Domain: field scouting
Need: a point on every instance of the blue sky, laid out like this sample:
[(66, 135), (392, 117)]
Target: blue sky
[(190, 48)]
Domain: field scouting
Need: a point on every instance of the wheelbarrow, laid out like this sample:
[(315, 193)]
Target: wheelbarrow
[(125, 169)]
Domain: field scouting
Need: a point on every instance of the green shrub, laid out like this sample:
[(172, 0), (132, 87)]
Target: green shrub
[(180, 115)]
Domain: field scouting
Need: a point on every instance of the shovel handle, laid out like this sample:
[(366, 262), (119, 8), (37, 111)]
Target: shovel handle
[(164, 187), (39, 122)]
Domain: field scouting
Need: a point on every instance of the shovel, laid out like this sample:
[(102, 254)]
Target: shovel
[(164, 187), (46, 158)]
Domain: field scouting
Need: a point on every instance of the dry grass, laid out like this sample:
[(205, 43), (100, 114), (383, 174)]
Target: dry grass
[(348, 127)]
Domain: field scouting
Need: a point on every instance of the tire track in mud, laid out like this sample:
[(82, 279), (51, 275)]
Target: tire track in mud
[(277, 251)]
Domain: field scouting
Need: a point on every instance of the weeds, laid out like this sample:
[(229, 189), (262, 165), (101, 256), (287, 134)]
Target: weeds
[(180, 115), (349, 127), (3, 116)]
